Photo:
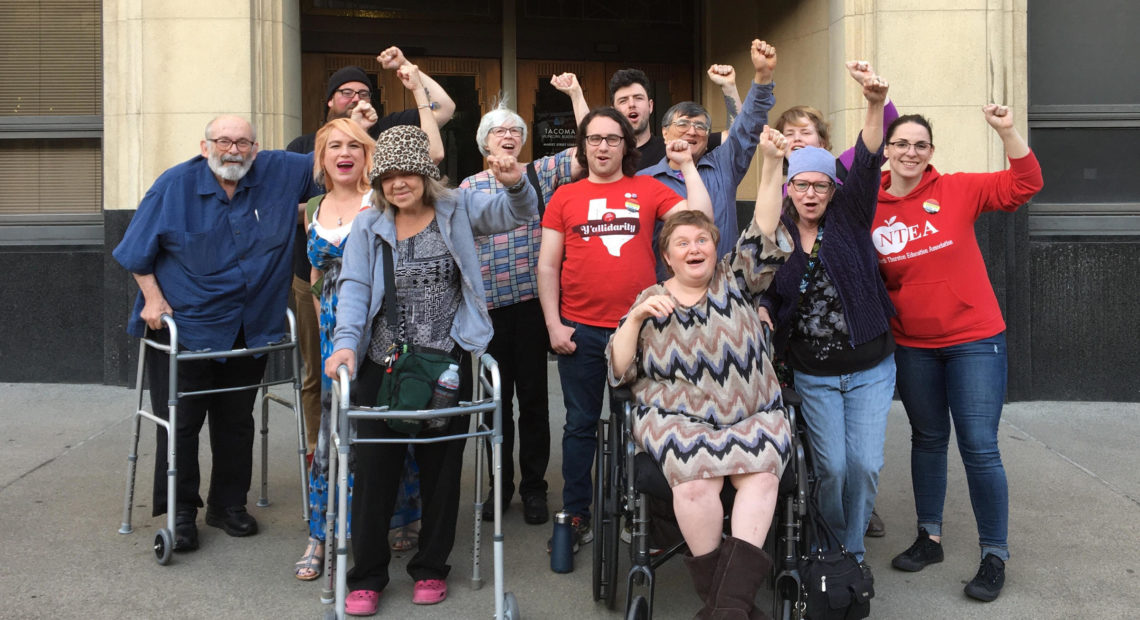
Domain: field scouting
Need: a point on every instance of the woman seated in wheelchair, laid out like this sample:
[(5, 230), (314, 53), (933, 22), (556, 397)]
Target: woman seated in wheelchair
[(707, 402)]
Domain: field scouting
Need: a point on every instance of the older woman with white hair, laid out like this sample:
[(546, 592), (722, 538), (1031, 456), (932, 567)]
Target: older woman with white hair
[(511, 282)]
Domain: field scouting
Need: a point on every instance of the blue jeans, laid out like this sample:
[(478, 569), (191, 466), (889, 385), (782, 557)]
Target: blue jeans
[(583, 375), (846, 417), (965, 384)]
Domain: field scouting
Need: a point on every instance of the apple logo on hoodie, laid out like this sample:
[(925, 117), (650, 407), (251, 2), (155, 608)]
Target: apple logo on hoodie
[(891, 237)]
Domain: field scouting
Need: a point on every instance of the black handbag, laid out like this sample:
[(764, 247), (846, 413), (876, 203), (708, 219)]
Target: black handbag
[(410, 372), (832, 584)]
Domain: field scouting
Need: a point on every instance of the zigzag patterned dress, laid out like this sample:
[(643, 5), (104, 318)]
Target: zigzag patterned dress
[(708, 400)]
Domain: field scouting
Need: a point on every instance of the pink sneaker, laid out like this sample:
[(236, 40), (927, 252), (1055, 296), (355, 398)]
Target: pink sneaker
[(429, 591), (362, 603)]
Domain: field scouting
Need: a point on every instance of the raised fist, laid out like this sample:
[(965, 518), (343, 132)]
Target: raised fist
[(722, 75), (998, 116), (763, 58), (391, 58), (773, 144), (875, 89)]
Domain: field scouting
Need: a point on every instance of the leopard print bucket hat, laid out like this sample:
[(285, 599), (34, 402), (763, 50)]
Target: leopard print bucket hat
[(403, 148)]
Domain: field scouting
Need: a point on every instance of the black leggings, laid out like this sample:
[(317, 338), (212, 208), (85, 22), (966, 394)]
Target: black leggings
[(379, 468)]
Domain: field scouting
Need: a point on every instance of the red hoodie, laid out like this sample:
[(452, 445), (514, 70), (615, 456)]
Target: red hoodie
[(929, 256)]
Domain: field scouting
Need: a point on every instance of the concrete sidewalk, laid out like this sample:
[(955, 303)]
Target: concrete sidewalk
[(1074, 496)]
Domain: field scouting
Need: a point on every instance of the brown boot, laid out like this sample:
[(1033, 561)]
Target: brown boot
[(742, 569), (702, 569)]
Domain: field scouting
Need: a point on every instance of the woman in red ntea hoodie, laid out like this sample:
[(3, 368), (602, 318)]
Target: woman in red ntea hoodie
[(951, 357)]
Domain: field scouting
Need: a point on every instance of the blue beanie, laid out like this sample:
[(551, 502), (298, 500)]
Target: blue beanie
[(811, 159)]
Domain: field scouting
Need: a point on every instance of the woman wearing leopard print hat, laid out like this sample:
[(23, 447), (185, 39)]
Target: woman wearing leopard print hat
[(431, 231)]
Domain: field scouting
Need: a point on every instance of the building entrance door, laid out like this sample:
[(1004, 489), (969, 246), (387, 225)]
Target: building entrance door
[(475, 83), (548, 112)]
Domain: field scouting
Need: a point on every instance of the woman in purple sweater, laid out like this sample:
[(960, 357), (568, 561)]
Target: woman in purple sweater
[(831, 311), (803, 126)]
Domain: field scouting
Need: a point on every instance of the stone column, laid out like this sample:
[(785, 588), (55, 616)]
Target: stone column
[(171, 66)]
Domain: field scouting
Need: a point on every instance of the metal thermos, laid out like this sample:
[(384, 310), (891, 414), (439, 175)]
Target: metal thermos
[(562, 544)]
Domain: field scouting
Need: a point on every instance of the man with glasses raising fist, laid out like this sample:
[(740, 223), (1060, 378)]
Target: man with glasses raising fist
[(722, 169), (596, 255)]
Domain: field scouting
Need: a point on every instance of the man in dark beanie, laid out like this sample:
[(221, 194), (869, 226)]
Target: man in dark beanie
[(351, 85), (347, 88)]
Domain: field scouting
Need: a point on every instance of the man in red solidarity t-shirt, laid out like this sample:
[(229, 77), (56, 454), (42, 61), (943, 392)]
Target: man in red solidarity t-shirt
[(596, 256)]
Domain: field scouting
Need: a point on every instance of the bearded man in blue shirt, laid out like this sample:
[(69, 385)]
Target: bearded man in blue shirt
[(210, 245)]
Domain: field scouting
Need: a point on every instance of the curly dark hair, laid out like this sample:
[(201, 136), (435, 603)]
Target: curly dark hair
[(630, 154)]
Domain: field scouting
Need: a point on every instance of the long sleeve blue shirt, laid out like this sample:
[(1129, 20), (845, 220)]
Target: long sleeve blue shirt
[(223, 264), (723, 168)]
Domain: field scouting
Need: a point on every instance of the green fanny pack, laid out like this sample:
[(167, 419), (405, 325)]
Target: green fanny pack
[(410, 377)]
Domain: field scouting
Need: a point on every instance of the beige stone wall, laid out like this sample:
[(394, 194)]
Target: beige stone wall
[(943, 58), (170, 66), (946, 60)]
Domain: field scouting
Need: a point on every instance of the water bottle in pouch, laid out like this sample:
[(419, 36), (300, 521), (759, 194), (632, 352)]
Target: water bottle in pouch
[(446, 391), (445, 394)]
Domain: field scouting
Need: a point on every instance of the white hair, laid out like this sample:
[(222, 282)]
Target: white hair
[(495, 118)]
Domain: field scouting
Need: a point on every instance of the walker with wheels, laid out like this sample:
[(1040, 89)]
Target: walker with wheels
[(164, 537), (488, 399)]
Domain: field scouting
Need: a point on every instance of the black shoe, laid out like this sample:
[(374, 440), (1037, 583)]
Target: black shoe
[(489, 506), (924, 551), (535, 511), (875, 527), (987, 584), (186, 530), (234, 520)]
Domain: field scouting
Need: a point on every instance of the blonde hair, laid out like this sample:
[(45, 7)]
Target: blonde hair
[(354, 132)]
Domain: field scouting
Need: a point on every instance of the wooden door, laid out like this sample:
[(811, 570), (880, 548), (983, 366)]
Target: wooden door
[(473, 83), (546, 110)]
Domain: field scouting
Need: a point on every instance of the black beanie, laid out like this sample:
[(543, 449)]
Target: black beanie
[(344, 75)]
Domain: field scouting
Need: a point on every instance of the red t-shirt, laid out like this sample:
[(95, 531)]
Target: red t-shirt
[(929, 256), (608, 244)]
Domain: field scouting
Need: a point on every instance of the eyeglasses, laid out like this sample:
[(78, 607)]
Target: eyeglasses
[(499, 132), (683, 124), (595, 140), (822, 188), (903, 146), (225, 143), (347, 93)]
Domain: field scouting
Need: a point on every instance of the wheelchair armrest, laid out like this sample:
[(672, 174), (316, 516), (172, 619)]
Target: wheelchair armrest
[(792, 398), (623, 394)]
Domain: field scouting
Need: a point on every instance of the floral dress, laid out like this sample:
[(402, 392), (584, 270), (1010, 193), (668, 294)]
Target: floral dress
[(325, 253)]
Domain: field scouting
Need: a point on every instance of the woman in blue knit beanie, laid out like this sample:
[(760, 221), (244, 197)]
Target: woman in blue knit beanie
[(830, 313)]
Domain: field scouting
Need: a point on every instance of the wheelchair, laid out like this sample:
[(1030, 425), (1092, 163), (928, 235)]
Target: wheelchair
[(627, 481)]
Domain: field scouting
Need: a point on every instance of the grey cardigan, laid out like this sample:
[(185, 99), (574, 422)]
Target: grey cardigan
[(461, 216)]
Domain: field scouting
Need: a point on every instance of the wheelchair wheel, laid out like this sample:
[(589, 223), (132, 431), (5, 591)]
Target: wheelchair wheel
[(605, 518), (638, 609), (610, 537)]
